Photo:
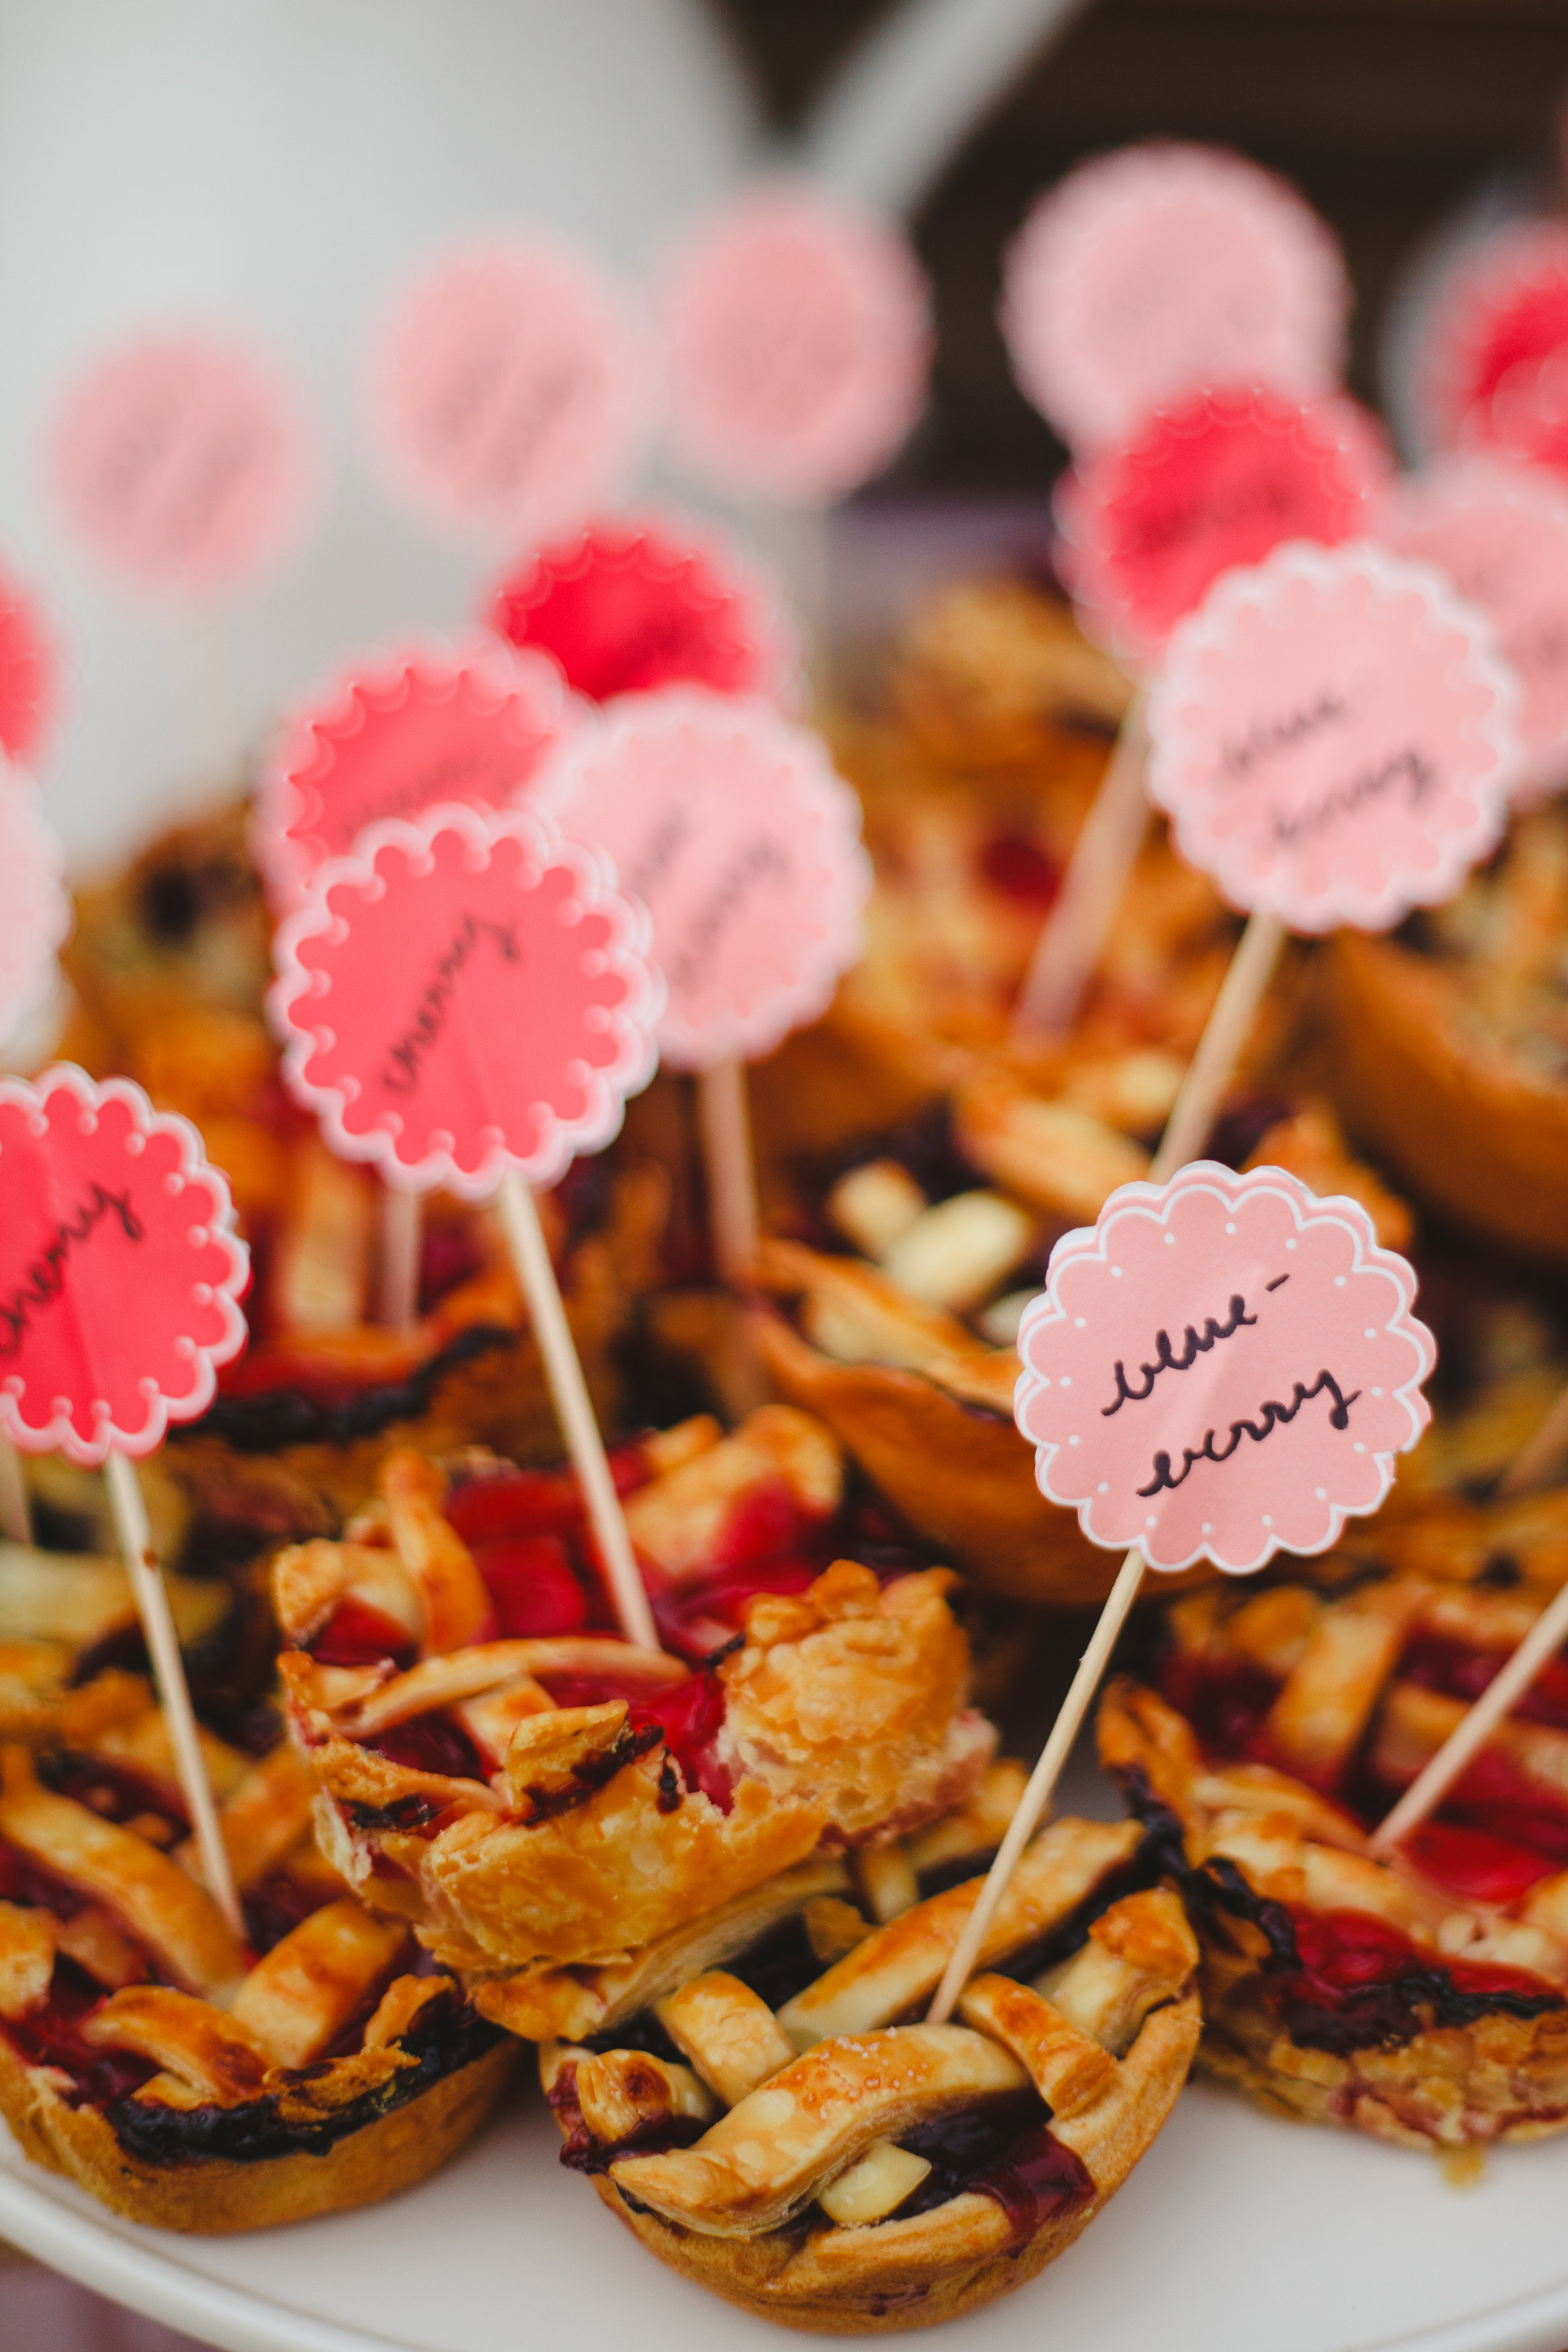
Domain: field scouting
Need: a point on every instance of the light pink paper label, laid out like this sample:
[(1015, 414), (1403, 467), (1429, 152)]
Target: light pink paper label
[(510, 390), (1493, 371), (1224, 1368), (119, 1268), (798, 346), (35, 908), (463, 995), (1500, 531), (1334, 737), (398, 733), (1158, 269), (732, 828), (182, 464), (31, 689)]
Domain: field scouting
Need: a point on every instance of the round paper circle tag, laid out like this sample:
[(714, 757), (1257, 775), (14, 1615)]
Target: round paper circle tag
[(799, 345), (464, 995), (1334, 737), (627, 607), (1224, 1367), (1160, 267), (733, 831), (1494, 371), (119, 1269), (397, 734), (30, 666), (509, 390), (182, 464), (1220, 479), (35, 906)]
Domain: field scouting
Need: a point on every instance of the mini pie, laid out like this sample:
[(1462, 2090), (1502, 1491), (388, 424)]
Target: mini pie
[(1423, 1999), (760, 2105)]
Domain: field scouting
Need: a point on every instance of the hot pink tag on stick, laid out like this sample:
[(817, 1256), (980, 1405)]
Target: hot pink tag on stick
[(398, 733), (182, 464), (510, 390), (1218, 479), (1161, 267), (733, 830), (119, 1268), (1334, 737), (35, 911), (627, 606), (1494, 370), (465, 995), (31, 689), (1224, 1367), (798, 344)]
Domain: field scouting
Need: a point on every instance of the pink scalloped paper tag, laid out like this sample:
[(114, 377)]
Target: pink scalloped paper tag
[(510, 390), (1157, 269), (462, 995), (396, 734), (1334, 737), (1493, 370), (182, 464), (1500, 531), (35, 911), (627, 605), (121, 1272), (734, 832), (1218, 479), (1224, 1367), (32, 686), (798, 346)]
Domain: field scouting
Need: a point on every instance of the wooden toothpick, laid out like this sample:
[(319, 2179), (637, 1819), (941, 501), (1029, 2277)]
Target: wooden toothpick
[(1092, 887)]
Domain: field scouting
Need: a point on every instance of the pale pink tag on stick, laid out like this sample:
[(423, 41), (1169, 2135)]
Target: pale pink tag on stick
[(1493, 372), (31, 688), (35, 911), (510, 390), (1334, 737), (182, 464), (1157, 269), (395, 734), (1224, 1367), (733, 831), (797, 346)]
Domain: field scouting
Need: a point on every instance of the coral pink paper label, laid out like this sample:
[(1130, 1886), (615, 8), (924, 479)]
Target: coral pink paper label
[(1161, 267), (798, 344), (629, 606), (397, 734), (1334, 737), (1224, 1368), (1494, 372), (1500, 531), (1220, 479), (31, 689), (464, 995), (182, 464), (119, 1268), (35, 906), (732, 828), (510, 390)]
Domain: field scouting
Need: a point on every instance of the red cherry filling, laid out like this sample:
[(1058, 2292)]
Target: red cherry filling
[(431, 1743), (358, 1635), (1020, 869), (1357, 1981), (51, 2036), (690, 1715), (532, 1586)]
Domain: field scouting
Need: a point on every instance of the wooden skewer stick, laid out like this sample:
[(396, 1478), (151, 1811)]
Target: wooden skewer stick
[(402, 1239), (169, 1675), (1441, 1771), (1219, 1048), (530, 1255), (725, 1123), (16, 1515), (1092, 887), (1538, 1452)]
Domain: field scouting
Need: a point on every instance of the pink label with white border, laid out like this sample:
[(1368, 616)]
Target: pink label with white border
[(1161, 267), (35, 911), (1500, 531), (798, 344), (510, 390), (182, 464), (31, 688), (463, 995), (630, 605), (119, 1268), (1334, 737), (1223, 1368), (733, 831), (399, 733), (1494, 370), (1218, 479)]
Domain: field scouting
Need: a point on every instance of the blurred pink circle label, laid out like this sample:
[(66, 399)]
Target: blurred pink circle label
[(463, 995), (1334, 737), (119, 1268), (182, 464), (629, 606), (1494, 370), (1158, 269), (35, 906), (1218, 479), (798, 335), (1223, 1368), (399, 733), (734, 833), (30, 682), (509, 390)]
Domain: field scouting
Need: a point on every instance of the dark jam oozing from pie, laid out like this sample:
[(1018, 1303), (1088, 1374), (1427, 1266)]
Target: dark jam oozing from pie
[(1002, 2148), (310, 1409)]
